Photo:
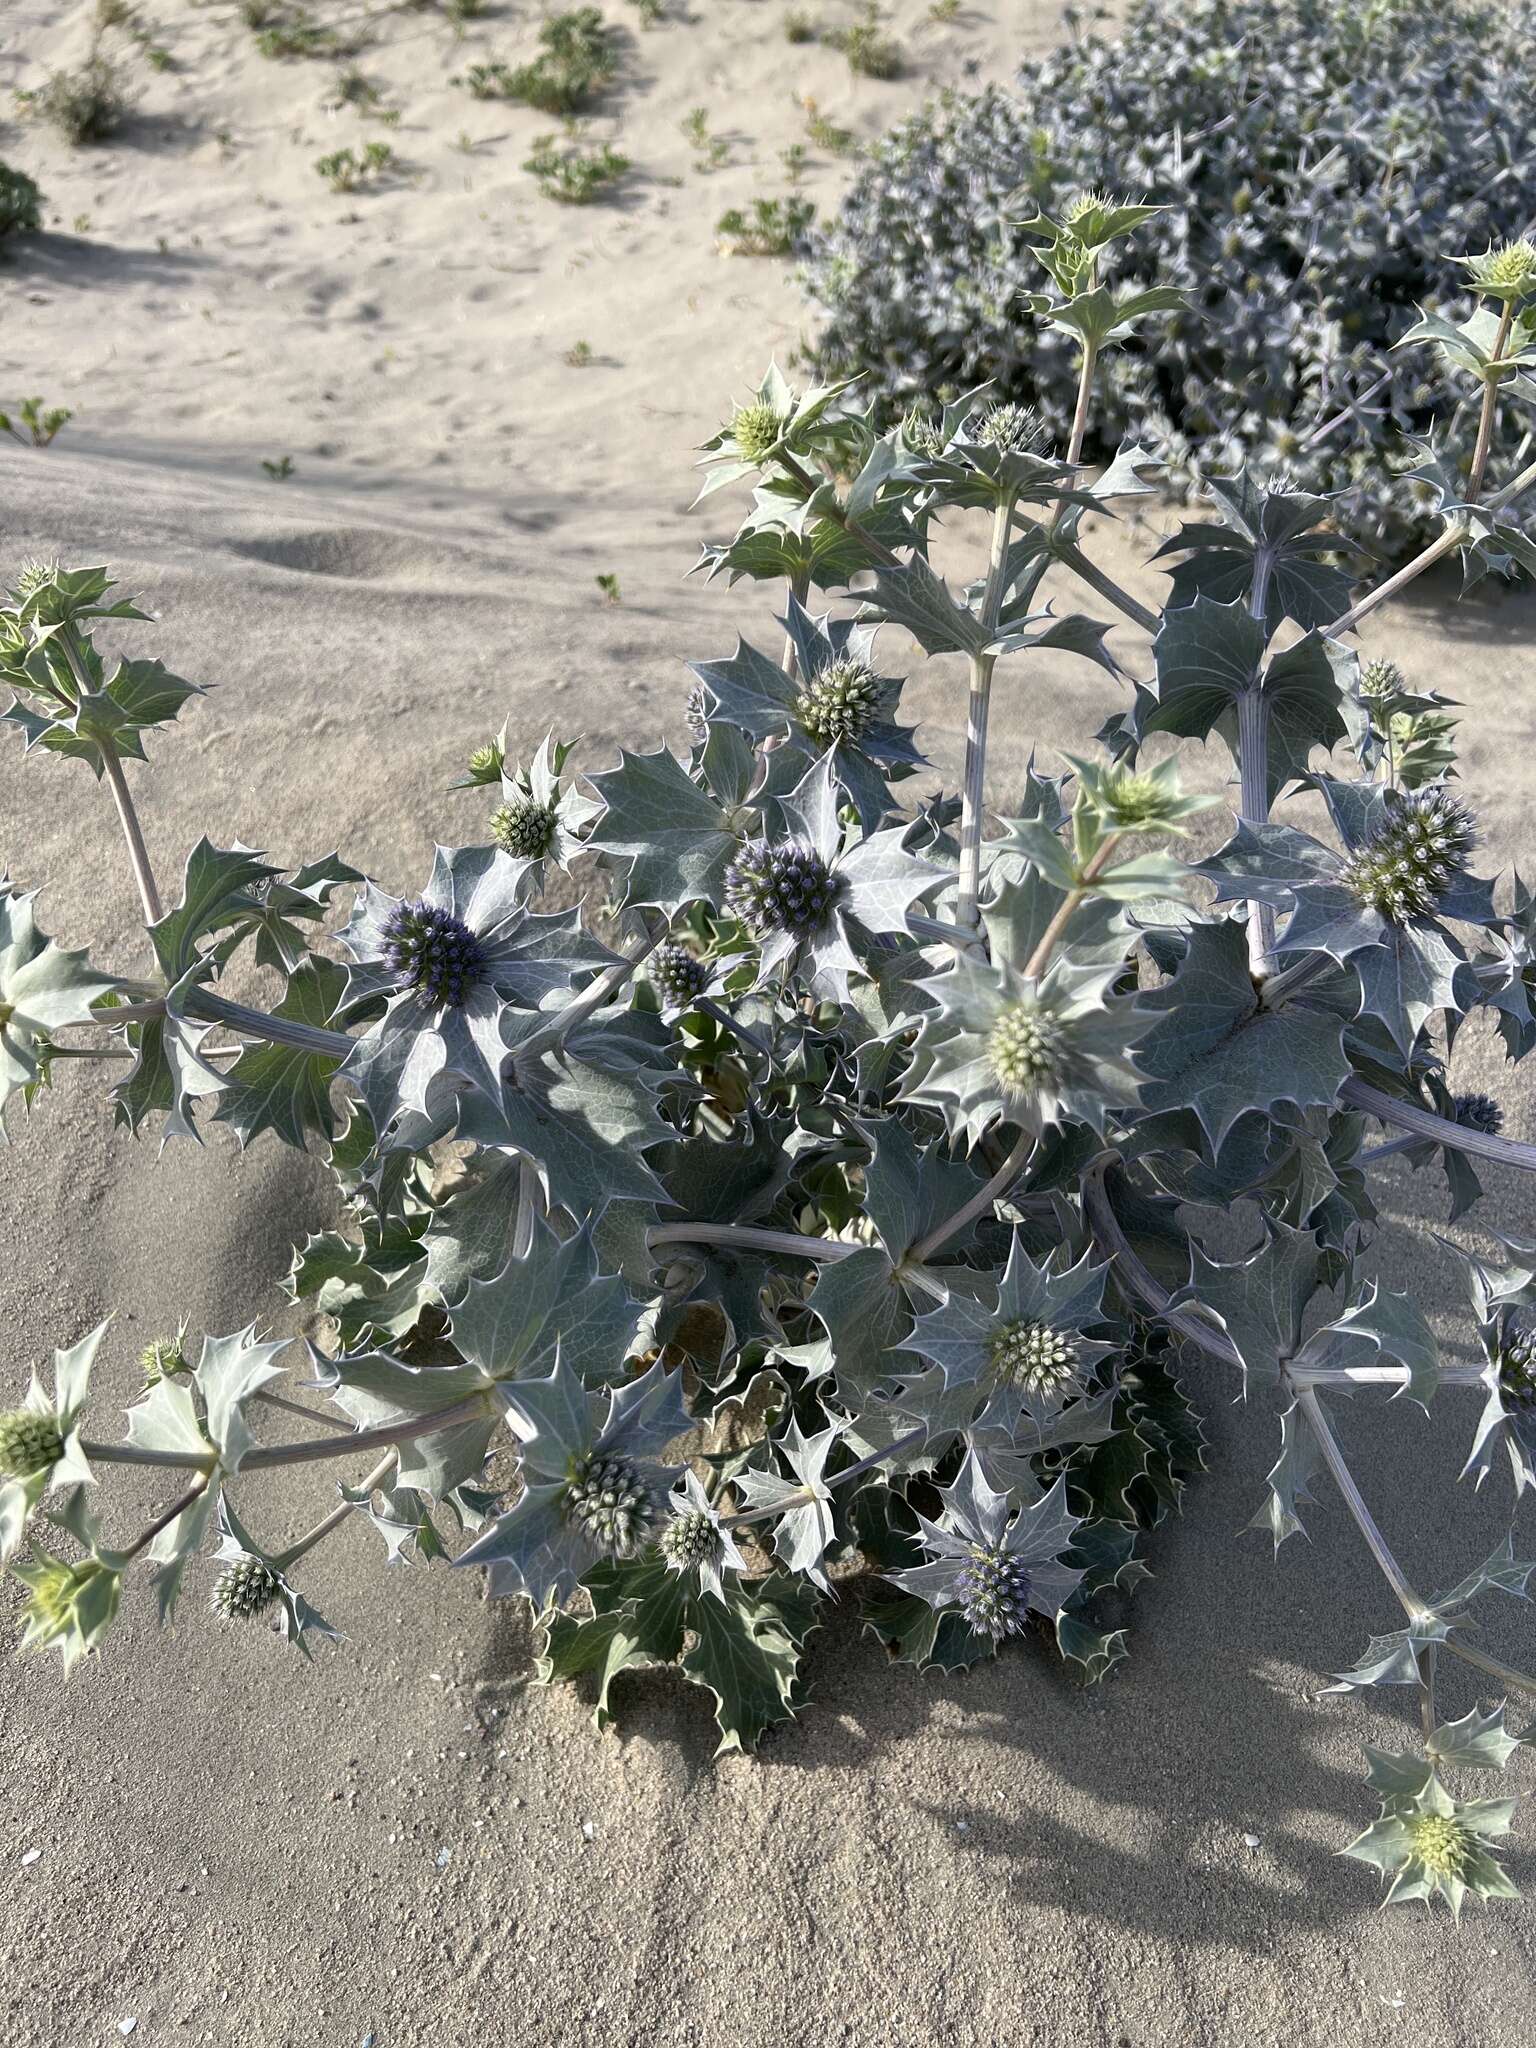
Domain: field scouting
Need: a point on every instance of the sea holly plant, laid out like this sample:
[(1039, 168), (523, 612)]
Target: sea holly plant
[(858, 1203)]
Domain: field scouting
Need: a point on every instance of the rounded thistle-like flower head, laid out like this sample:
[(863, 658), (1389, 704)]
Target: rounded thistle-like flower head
[(1441, 1843), (487, 762), (678, 975), (1033, 1357), (783, 887), (524, 827), (433, 951), (755, 428), (1382, 678), (1505, 272), (163, 1359), (1015, 429), (29, 1443), (244, 1588), (841, 701), (992, 1592), (922, 432), (611, 1505), (1404, 869), (689, 1540), (1475, 1112), (1023, 1047)]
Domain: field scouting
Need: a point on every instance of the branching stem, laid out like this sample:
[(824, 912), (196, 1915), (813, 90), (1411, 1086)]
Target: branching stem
[(1040, 958), (289, 1557), (980, 1203), (311, 1451), (825, 1251), (177, 1508)]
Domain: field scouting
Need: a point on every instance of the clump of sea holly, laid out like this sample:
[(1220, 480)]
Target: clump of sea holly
[(1405, 868)]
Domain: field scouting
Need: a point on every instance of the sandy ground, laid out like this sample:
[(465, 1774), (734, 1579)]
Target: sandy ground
[(404, 1843)]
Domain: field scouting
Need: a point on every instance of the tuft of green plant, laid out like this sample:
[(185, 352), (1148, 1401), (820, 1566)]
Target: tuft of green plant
[(279, 470), (825, 133), (870, 51), (293, 32), (21, 204), (88, 104), (885, 1154), (942, 13), (573, 174), (579, 355), (651, 12), (1317, 153), (800, 27), (608, 584), (576, 63), (710, 152), (35, 424), (794, 157), (768, 227), (344, 170)]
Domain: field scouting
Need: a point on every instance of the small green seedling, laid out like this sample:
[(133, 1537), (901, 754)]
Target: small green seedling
[(345, 171), (575, 176), (35, 424), (769, 227), (279, 471), (609, 586)]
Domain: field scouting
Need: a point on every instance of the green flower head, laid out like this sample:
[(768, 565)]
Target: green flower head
[(1506, 272), (999, 1047), (1426, 1844), (755, 429), (1405, 868), (69, 1606)]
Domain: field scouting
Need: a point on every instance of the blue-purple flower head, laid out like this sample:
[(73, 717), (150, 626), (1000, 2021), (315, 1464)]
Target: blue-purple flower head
[(780, 886), (433, 951)]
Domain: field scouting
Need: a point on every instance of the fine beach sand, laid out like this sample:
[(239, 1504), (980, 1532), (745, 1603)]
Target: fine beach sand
[(405, 1841)]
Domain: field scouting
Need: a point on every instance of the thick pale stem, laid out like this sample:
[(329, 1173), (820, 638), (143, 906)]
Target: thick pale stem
[(1039, 960), (603, 990), (973, 800), (1069, 553), (1333, 1457), (1116, 1246), (1423, 1123), (825, 1251), (527, 1206), (1253, 762), (177, 1508), (310, 1452), (128, 818), (1084, 394), (1484, 446)]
